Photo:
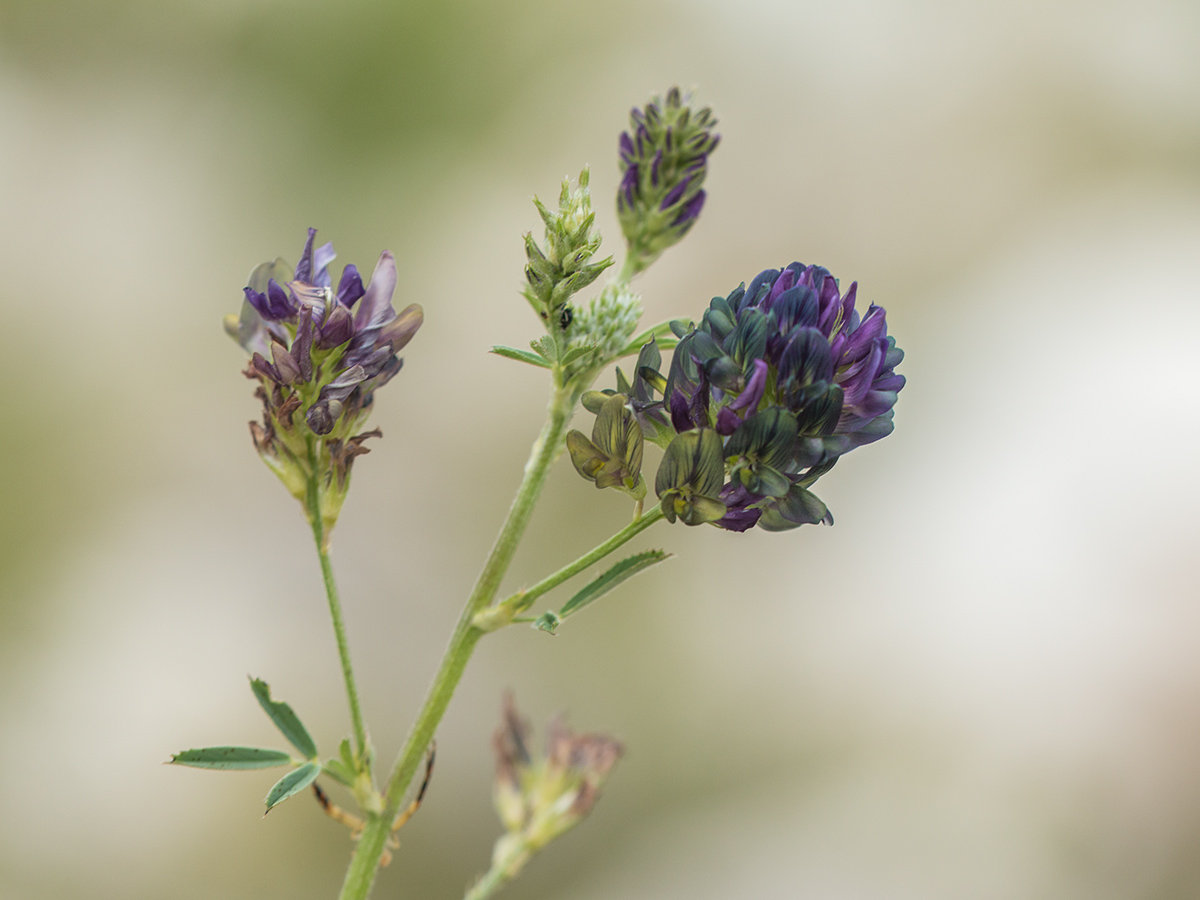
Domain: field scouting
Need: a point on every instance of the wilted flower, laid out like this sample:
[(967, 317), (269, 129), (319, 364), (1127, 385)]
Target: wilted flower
[(318, 361), (663, 161), (777, 382), (540, 799)]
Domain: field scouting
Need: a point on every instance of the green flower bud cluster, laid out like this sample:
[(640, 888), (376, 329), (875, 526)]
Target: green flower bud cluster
[(564, 265), (604, 327)]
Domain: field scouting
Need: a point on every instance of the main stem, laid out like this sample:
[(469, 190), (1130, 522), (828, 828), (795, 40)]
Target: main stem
[(365, 863), (313, 502)]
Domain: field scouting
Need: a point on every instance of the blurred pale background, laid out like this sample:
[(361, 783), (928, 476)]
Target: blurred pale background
[(984, 682)]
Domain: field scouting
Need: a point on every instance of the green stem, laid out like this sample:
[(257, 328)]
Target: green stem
[(365, 863), (313, 502), (512, 859), (524, 599), (487, 884), (628, 269)]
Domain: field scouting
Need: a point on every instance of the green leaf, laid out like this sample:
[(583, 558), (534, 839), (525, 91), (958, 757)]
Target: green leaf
[(285, 720), (619, 573), (232, 758), (576, 352), (338, 772), (292, 783), (546, 348), (660, 333), (520, 356)]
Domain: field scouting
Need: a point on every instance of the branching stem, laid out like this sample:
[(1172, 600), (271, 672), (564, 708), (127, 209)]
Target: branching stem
[(365, 863), (550, 582)]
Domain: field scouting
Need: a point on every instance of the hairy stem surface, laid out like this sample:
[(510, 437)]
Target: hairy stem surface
[(365, 863), (626, 534), (313, 502)]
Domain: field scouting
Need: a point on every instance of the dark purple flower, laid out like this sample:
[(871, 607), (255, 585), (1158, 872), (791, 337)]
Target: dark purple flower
[(791, 378), (663, 162)]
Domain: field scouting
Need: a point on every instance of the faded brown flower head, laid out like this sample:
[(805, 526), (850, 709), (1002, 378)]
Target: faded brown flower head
[(540, 799)]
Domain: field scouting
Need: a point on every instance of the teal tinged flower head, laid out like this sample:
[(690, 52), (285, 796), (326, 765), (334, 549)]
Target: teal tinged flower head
[(777, 382)]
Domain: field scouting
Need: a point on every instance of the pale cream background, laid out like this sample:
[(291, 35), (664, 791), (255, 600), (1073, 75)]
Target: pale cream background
[(982, 683)]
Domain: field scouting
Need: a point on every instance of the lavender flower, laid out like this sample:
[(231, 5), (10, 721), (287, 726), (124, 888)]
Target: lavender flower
[(778, 381), (663, 161), (318, 362)]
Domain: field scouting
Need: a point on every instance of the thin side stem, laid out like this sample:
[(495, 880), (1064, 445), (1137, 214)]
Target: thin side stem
[(365, 863), (550, 582), (313, 501), (491, 881)]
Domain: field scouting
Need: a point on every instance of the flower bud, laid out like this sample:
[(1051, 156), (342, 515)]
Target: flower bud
[(606, 324), (663, 162), (564, 266)]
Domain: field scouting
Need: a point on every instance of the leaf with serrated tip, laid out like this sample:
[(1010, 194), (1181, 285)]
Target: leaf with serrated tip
[(577, 352), (545, 348), (520, 356), (285, 720)]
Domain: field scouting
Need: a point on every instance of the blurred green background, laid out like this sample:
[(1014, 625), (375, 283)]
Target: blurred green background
[(982, 683)]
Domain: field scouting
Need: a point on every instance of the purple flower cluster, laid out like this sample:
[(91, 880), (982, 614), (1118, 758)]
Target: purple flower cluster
[(788, 377), (663, 163), (315, 354)]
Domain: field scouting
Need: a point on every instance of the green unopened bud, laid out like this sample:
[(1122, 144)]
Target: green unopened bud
[(606, 324), (564, 265)]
